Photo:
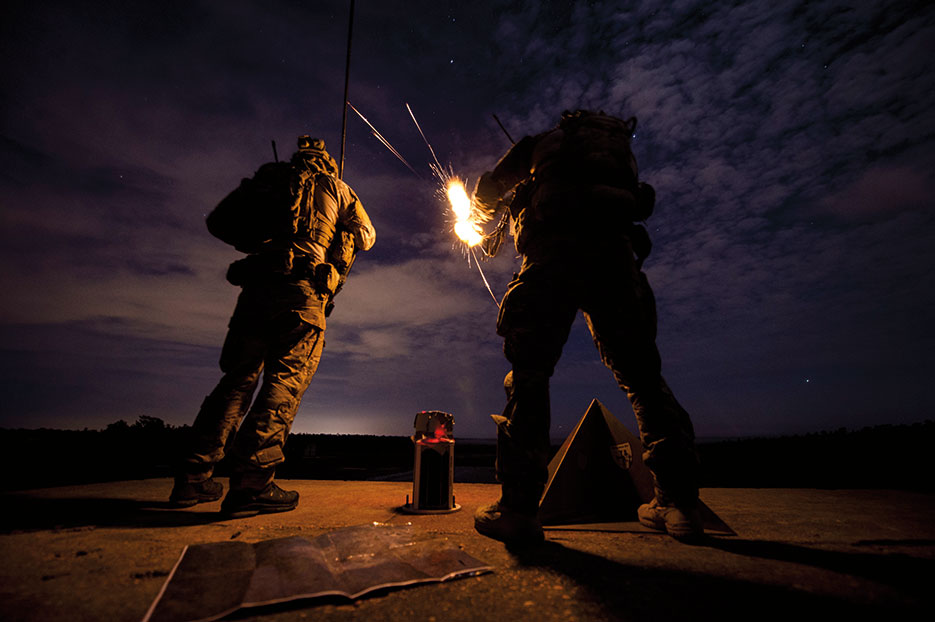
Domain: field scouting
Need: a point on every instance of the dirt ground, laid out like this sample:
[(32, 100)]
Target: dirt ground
[(103, 552)]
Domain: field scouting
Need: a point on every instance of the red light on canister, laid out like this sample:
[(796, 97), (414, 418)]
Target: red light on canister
[(433, 470)]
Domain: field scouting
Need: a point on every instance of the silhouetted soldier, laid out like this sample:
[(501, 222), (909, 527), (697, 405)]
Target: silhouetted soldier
[(277, 331), (575, 199)]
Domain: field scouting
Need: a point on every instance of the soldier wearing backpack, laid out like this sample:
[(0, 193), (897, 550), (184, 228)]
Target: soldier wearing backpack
[(576, 199), (300, 226)]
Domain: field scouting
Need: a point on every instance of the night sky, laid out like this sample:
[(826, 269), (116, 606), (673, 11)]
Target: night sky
[(791, 145)]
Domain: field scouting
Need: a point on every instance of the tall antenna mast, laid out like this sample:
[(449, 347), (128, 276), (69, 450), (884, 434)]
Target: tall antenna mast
[(347, 77)]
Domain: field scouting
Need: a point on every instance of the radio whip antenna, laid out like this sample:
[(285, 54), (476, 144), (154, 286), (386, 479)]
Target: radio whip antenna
[(347, 77)]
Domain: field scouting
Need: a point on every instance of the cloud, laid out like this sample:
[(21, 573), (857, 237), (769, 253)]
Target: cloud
[(416, 292), (882, 190), (790, 149)]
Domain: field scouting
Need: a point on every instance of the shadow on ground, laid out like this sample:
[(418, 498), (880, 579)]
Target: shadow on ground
[(626, 591), (26, 513), (904, 572)]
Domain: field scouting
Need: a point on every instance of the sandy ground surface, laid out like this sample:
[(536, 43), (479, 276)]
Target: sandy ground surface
[(103, 551)]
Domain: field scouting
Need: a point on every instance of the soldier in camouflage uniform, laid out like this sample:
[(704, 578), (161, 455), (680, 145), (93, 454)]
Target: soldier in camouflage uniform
[(277, 333), (575, 199)]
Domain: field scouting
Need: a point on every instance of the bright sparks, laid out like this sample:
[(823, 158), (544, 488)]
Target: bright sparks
[(467, 220), (465, 227)]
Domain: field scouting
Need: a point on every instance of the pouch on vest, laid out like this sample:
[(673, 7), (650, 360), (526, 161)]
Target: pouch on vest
[(326, 278), (342, 249)]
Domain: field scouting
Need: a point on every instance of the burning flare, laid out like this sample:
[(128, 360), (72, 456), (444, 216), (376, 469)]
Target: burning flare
[(466, 227), (467, 220)]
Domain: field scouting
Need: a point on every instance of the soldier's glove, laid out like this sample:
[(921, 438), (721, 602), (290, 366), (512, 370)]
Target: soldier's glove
[(492, 242), (486, 195)]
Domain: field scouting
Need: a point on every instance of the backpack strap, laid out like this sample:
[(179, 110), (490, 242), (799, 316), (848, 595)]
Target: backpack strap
[(306, 206)]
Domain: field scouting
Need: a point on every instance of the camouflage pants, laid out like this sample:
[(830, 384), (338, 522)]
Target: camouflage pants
[(535, 319), (275, 332)]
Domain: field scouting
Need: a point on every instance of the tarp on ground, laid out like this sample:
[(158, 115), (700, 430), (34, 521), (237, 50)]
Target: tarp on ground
[(212, 580)]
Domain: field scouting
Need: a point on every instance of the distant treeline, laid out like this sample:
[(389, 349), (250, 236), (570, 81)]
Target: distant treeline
[(149, 448), (885, 456)]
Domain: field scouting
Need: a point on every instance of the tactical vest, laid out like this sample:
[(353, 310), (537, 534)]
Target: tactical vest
[(315, 239), (281, 219)]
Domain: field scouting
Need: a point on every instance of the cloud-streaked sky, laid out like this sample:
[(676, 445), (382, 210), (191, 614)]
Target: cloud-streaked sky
[(791, 145)]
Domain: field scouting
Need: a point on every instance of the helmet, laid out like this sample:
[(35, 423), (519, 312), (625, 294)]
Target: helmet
[(313, 149), (307, 143)]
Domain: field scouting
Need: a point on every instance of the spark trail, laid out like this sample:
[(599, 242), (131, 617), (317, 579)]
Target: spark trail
[(423, 137), (467, 219), (385, 142), (484, 277)]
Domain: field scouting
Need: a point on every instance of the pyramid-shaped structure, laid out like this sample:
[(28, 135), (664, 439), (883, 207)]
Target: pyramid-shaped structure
[(598, 476)]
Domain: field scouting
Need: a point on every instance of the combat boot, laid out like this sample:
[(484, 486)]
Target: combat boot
[(502, 523), (681, 523), (242, 502), (186, 494)]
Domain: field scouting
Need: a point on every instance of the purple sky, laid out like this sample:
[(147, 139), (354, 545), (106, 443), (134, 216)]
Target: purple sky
[(791, 145)]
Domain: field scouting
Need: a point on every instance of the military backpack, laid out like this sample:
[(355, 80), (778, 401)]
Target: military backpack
[(276, 204)]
